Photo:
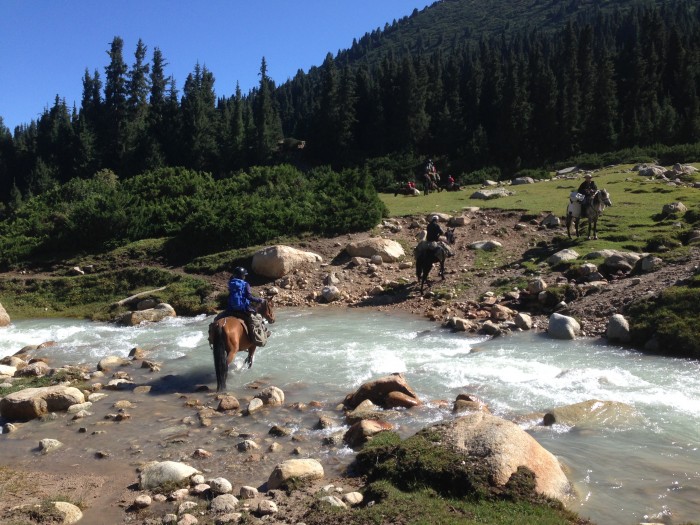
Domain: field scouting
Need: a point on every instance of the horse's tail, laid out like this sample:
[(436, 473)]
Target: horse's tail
[(218, 347)]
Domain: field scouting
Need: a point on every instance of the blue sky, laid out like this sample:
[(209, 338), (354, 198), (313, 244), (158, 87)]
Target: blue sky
[(45, 45)]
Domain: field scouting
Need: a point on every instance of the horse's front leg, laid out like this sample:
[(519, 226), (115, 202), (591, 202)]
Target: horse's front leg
[(251, 356), (442, 270)]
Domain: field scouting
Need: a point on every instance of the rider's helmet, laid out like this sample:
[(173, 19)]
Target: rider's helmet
[(240, 272), (434, 218)]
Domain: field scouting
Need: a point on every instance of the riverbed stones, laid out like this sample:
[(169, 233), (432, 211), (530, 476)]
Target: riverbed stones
[(151, 315), (224, 503), (563, 327), (162, 473), (31, 403), (302, 469), (618, 329), (35, 369)]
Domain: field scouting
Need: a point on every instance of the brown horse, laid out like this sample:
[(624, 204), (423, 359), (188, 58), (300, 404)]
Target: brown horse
[(228, 336)]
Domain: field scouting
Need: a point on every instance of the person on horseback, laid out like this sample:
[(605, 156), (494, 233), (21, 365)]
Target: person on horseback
[(432, 237), (587, 189), (240, 299), (434, 230)]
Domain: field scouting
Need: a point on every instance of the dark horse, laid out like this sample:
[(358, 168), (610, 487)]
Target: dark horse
[(228, 336), (594, 209), (434, 253)]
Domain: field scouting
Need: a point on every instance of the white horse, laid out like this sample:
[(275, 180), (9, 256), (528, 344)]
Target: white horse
[(594, 209)]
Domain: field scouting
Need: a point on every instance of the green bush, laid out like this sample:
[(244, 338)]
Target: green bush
[(200, 215), (671, 318)]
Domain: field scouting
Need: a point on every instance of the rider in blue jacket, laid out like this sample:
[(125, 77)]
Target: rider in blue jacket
[(239, 299)]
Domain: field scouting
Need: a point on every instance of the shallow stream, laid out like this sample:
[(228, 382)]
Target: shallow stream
[(624, 473)]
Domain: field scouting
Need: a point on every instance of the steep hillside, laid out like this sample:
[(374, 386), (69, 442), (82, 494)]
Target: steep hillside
[(447, 24)]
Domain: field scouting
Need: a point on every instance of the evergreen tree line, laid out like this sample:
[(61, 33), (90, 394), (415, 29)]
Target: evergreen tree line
[(523, 101)]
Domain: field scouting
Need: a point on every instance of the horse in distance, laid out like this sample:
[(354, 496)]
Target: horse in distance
[(593, 210)]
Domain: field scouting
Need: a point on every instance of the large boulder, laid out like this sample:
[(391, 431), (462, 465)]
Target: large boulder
[(298, 469), (277, 261), (386, 392), (166, 473), (563, 327), (390, 251), (31, 403), (4, 317), (499, 447), (151, 315)]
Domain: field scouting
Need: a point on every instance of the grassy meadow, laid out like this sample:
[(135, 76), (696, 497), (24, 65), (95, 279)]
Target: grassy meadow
[(633, 223)]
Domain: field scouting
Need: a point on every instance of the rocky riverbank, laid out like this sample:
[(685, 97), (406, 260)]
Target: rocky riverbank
[(106, 444)]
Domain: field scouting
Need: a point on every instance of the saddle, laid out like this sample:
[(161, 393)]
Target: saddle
[(260, 332)]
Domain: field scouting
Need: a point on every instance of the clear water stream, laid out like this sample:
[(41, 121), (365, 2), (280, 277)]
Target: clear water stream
[(625, 473)]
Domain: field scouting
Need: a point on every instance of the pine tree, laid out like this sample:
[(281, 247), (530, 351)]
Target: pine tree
[(268, 126), (198, 120), (115, 117)]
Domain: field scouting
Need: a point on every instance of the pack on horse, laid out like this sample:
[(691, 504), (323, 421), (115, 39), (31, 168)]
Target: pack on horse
[(591, 210), (228, 336), (433, 252)]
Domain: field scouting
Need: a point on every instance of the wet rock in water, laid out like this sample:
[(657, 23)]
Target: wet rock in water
[(301, 469), (111, 362), (272, 396), (31, 403), (161, 473), (593, 413), (228, 403), (563, 327), (378, 391), (49, 445)]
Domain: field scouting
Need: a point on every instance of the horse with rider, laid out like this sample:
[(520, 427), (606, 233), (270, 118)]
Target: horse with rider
[(588, 201), (241, 327), (433, 250)]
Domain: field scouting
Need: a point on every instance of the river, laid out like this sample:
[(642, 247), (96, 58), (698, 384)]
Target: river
[(623, 473)]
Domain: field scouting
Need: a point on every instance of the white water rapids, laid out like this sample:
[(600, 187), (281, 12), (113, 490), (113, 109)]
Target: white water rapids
[(646, 471)]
